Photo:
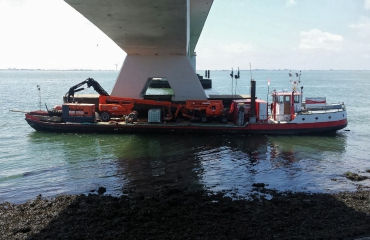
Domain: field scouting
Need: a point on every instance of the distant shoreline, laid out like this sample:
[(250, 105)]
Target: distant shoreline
[(102, 70)]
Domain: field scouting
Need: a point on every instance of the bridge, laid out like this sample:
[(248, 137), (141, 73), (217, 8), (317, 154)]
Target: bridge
[(159, 38)]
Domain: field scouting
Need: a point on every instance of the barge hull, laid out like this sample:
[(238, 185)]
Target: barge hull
[(198, 128)]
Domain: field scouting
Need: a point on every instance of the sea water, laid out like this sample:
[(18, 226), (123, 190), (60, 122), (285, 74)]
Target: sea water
[(33, 163)]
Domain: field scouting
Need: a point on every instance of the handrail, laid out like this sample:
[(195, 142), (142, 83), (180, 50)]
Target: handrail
[(327, 107)]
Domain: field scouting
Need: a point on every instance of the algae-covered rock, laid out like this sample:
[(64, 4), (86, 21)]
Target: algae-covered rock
[(355, 177)]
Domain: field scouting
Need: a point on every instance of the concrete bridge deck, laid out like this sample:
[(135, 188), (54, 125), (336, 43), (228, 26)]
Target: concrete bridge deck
[(159, 38)]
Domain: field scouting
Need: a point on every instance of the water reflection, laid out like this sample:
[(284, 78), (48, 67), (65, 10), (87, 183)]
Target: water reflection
[(149, 163), (285, 150), (155, 162), (224, 162)]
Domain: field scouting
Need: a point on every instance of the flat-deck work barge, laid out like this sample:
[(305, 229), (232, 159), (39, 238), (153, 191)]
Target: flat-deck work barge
[(142, 126), (286, 114)]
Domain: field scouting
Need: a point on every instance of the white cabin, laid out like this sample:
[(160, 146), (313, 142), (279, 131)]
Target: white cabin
[(285, 104)]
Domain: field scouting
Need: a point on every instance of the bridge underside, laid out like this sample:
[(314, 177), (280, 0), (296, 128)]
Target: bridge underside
[(159, 38)]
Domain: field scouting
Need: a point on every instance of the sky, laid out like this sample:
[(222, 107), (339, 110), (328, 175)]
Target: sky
[(268, 34)]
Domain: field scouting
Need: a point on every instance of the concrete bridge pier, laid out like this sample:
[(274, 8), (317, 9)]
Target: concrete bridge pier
[(137, 71)]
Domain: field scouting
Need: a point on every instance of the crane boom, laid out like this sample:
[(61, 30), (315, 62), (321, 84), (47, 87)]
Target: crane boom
[(90, 82)]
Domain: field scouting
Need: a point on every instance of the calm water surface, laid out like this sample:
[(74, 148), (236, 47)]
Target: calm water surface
[(33, 163)]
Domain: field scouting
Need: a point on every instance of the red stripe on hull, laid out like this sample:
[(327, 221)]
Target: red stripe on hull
[(296, 128)]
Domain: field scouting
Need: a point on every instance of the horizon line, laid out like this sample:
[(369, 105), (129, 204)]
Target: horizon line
[(256, 69)]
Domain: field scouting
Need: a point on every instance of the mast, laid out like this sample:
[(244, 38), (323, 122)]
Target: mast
[(232, 81)]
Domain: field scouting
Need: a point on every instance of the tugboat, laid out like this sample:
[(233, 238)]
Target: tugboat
[(289, 115)]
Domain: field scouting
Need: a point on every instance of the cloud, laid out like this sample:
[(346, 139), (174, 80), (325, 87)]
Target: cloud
[(237, 48), (367, 4), (316, 39), (290, 3), (363, 23), (362, 26), (52, 35)]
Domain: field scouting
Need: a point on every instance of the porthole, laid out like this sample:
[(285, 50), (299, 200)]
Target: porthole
[(329, 117), (303, 119), (316, 118)]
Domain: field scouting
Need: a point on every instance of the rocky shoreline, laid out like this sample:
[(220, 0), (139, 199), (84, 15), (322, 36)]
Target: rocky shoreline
[(184, 214)]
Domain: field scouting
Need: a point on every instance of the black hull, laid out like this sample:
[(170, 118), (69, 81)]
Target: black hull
[(214, 129)]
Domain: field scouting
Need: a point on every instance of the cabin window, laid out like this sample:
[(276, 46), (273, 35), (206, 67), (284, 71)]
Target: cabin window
[(297, 99), (278, 99), (287, 99)]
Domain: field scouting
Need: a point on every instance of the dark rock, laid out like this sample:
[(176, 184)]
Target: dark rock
[(22, 230), (258, 185), (355, 176), (102, 190)]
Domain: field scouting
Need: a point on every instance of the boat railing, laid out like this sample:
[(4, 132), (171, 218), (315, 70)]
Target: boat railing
[(334, 106)]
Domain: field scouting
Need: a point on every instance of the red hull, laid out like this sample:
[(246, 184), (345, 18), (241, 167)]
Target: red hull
[(252, 128), (294, 128)]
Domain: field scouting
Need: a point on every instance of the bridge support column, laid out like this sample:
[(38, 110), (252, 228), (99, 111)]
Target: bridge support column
[(137, 71)]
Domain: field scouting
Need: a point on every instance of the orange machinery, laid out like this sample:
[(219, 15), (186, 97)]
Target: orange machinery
[(78, 112), (203, 110), (110, 106)]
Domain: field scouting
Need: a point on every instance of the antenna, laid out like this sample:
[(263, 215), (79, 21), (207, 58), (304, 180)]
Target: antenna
[(250, 70), (268, 91), (296, 83), (116, 66), (232, 81), (236, 82), (39, 88), (299, 76)]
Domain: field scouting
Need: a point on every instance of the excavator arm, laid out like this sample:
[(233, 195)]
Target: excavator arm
[(90, 82)]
